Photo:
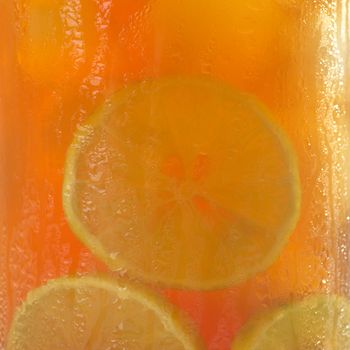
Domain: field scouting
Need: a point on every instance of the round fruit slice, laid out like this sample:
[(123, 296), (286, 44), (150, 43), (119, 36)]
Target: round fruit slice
[(317, 323), (97, 313), (184, 182)]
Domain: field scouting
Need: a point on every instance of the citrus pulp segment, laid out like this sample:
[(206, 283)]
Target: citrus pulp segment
[(98, 313), (319, 322), (184, 182)]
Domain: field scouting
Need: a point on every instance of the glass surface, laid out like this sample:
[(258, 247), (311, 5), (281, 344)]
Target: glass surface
[(281, 66)]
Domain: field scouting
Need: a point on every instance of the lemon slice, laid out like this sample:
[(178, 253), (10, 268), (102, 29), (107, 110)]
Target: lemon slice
[(320, 322), (184, 182), (98, 313)]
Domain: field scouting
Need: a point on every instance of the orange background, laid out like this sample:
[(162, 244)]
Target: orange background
[(51, 83)]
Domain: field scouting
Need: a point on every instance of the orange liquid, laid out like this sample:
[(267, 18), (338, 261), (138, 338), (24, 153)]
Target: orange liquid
[(52, 79)]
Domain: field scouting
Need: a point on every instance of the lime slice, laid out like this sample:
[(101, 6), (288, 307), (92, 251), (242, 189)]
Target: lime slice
[(319, 322), (184, 182), (98, 313)]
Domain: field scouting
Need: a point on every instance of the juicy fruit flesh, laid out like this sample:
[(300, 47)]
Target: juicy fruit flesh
[(97, 313), (183, 181), (319, 322), (37, 252)]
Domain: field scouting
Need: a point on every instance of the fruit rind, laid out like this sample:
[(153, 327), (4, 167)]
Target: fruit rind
[(173, 320), (116, 261), (253, 332)]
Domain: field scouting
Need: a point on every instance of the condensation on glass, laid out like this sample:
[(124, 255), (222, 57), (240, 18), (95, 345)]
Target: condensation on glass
[(61, 60)]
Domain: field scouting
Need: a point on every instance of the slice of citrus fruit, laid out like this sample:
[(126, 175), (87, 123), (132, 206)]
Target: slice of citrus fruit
[(319, 322), (184, 182), (98, 313)]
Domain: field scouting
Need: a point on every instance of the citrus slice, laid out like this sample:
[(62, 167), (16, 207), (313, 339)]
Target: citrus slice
[(183, 182), (98, 313), (319, 322)]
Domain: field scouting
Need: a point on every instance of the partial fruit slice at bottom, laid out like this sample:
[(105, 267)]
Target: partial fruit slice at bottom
[(184, 182), (320, 322), (96, 313)]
